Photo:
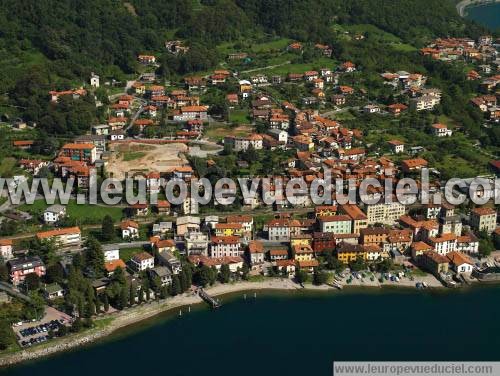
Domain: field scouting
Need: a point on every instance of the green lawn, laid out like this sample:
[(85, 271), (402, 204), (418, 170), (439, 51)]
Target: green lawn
[(84, 213), (373, 31), (238, 116), (403, 47), (7, 167), (322, 62), (127, 253), (278, 44), (133, 155), (218, 131)]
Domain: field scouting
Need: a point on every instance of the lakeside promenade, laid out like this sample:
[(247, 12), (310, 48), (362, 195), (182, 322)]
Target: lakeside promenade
[(130, 316)]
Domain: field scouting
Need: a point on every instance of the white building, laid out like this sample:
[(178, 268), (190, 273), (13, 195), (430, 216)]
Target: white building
[(386, 213), (111, 255), (6, 249), (196, 243), (397, 146), (371, 109), (94, 80), (460, 263), (441, 130), (130, 229), (142, 261), (54, 213), (64, 237), (336, 224), (279, 134), (243, 143), (468, 244), (444, 244), (425, 102), (223, 246)]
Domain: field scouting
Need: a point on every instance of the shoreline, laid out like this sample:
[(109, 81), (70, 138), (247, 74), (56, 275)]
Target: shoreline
[(464, 4), (137, 314)]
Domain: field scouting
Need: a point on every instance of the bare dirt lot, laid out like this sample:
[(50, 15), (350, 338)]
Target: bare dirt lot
[(130, 158)]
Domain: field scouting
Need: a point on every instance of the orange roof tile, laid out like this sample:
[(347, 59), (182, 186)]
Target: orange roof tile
[(58, 232)]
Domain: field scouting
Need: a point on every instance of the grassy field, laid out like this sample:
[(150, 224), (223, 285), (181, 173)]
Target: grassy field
[(133, 155), (127, 253), (84, 213), (238, 116), (218, 131), (278, 44), (7, 167), (301, 68)]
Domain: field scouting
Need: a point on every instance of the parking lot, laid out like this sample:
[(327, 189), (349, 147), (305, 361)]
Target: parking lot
[(35, 332)]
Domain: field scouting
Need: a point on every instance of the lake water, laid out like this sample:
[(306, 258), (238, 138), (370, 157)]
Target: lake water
[(295, 334), (487, 15)]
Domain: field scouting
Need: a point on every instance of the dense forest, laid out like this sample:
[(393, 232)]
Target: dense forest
[(73, 37), (55, 44)]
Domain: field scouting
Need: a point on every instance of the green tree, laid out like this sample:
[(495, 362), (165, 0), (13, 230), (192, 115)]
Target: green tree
[(203, 275), (63, 330), (32, 282), (301, 276), (77, 325), (358, 265), (94, 257), (105, 303), (6, 335), (107, 228), (320, 277), (132, 295), (385, 266), (55, 273), (4, 272), (213, 275), (332, 263), (175, 288), (225, 273), (245, 271), (183, 280), (124, 298)]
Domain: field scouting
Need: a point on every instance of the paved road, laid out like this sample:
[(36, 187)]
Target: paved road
[(268, 67), (124, 245), (9, 289), (137, 114)]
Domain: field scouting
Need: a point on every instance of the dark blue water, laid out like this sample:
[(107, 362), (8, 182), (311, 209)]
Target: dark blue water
[(487, 15), (296, 334)]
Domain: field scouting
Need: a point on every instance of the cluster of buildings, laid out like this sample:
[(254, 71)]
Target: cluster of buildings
[(465, 49), (483, 55)]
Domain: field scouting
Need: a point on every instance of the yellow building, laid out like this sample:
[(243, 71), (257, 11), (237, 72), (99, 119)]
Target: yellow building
[(228, 229), (303, 253), (301, 240), (350, 252), (325, 210)]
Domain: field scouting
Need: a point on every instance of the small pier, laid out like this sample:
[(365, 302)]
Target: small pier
[(214, 303)]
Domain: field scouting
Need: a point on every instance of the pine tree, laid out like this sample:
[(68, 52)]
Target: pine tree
[(124, 297), (105, 303), (183, 281), (107, 228), (176, 286), (94, 257), (164, 292), (213, 275), (98, 305), (132, 295), (225, 273)]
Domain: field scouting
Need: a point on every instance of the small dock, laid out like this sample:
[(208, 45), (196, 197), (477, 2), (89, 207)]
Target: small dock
[(214, 303)]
